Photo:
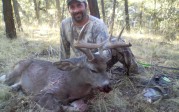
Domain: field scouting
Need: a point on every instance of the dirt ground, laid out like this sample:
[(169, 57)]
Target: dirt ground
[(132, 91)]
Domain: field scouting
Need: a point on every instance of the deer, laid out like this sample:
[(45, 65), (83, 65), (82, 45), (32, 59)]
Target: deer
[(64, 85)]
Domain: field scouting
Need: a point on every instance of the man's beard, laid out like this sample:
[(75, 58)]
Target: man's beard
[(79, 16)]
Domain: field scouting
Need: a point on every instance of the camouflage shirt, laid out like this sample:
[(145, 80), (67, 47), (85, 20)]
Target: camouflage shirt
[(95, 32)]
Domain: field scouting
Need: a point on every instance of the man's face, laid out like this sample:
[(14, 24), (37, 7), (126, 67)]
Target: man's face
[(77, 10)]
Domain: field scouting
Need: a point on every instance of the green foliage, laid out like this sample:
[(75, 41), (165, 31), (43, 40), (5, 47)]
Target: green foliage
[(159, 17)]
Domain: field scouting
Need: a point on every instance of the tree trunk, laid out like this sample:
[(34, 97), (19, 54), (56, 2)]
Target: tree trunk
[(155, 16), (113, 16), (127, 15), (63, 9), (8, 19), (58, 10), (47, 4), (93, 6), (141, 17), (37, 11), (103, 11), (16, 11)]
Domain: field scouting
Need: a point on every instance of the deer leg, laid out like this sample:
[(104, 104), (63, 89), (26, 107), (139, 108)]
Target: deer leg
[(16, 87)]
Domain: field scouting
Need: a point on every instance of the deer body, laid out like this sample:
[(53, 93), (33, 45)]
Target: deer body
[(60, 83)]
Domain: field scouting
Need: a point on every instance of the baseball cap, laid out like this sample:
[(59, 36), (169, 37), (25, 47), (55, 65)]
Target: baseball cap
[(68, 1)]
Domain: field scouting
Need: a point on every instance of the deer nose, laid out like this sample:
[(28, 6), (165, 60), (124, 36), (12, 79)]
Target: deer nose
[(106, 87)]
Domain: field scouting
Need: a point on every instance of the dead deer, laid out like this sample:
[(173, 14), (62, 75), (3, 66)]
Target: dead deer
[(63, 85)]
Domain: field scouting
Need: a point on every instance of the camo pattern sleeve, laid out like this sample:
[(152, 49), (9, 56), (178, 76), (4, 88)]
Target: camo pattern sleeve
[(64, 43)]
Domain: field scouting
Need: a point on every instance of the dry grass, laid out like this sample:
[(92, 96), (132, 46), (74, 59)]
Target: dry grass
[(42, 42), (31, 44)]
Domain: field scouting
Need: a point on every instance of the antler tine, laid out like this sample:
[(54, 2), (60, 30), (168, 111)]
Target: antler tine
[(113, 45), (80, 46), (120, 33), (115, 42), (81, 32)]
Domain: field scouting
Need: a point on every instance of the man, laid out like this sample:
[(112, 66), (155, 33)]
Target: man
[(95, 32), (70, 28)]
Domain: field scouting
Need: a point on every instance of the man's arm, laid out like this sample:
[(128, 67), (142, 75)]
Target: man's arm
[(64, 44)]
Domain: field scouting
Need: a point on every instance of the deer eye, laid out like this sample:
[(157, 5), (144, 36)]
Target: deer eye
[(93, 71)]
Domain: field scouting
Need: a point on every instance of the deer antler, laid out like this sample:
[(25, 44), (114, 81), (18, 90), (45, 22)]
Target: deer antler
[(80, 45), (114, 43), (110, 43), (120, 33)]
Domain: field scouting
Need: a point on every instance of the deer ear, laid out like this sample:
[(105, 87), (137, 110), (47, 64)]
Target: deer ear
[(64, 65)]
